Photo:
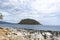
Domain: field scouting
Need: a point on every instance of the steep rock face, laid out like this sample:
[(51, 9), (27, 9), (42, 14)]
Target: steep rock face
[(29, 22)]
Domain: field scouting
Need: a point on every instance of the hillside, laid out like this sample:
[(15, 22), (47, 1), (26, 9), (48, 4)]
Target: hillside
[(29, 22)]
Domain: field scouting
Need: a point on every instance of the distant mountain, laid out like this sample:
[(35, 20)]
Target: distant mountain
[(2, 22)]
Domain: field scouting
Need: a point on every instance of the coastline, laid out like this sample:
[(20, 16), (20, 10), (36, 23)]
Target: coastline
[(25, 34)]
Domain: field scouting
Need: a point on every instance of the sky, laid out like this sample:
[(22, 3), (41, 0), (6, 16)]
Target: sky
[(47, 12)]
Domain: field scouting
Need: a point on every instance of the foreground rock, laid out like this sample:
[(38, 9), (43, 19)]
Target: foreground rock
[(25, 34)]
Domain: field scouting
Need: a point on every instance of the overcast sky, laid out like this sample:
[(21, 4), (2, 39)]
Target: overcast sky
[(47, 12)]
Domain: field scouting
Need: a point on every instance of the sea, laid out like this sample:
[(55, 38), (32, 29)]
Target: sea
[(32, 27)]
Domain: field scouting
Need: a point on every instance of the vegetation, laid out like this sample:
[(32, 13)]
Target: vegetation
[(29, 22), (1, 16)]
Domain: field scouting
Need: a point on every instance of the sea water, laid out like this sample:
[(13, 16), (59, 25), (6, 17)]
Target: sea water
[(33, 27)]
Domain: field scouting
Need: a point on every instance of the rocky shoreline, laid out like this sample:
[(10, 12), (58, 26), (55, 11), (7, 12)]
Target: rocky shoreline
[(27, 34)]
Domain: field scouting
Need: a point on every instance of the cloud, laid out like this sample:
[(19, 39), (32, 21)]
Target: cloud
[(44, 11), (46, 6)]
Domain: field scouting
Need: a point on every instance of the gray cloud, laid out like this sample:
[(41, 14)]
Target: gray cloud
[(42, 11)]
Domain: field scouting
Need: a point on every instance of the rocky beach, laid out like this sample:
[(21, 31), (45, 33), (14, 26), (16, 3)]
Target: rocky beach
[(27, 34)]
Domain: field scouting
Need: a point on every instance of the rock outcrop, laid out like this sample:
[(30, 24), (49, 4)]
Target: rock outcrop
[(25, 34)]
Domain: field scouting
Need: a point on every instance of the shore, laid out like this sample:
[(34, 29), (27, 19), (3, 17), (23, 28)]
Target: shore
[(27, 34)]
